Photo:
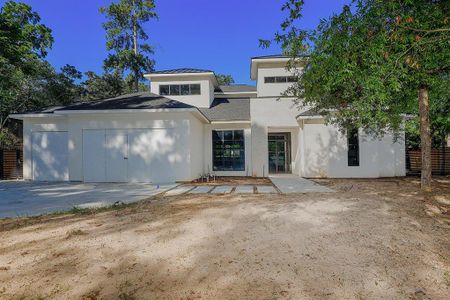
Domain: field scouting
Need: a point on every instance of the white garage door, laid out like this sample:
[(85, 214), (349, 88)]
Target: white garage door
[(137, 155), (49, 156)]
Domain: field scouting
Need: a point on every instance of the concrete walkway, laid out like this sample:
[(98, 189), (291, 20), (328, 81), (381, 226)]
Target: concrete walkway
[(288, 183), (24, 198), (221, 189)]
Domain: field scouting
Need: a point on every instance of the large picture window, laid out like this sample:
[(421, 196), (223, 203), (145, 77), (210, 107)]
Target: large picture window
[(228, 150), (353, 148), (179, 89)]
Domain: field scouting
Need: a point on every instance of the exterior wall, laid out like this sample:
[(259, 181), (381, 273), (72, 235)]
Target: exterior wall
[(206, 89), (208, 163), (186, 166), (324, 151), (271, 89), (272, 115), (31, 125), (196, 142)]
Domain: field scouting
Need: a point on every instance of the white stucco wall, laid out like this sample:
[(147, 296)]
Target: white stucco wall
[(31, 125), (206, 89), (208, 163), (196, 146), (272, 115), (271, 89), (324, 151), (187, 134)]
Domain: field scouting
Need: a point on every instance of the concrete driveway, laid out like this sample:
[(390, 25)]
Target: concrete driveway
[(24, 198)]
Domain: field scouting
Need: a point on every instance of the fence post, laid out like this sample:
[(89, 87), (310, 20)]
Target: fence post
[(443, 160)]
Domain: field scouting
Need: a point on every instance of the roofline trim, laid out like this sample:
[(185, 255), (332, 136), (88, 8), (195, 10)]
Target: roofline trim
[(128, 110), (149, 75), (234, 93), (309, 117), (232, 122), (35, 115)]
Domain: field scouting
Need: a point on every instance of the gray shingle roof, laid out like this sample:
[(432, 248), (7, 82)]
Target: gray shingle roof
[(236, 88), (141, 100), (276, 56), (181, 71), (233, 109), (310, 113), (271, 56)]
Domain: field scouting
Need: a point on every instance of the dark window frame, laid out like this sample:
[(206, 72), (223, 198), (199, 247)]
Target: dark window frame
[(280, 79), (178, 89), (353, 148), (228, 150)]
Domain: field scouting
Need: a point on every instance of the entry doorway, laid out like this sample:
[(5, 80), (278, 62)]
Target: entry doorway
[(279, 152)]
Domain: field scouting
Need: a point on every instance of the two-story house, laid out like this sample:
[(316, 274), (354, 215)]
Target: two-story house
[(188, 125)]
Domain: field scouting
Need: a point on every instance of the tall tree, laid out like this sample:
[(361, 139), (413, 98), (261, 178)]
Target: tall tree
[(103, 86), (223, 79), (24, 41), (126, 37), (373, 62)]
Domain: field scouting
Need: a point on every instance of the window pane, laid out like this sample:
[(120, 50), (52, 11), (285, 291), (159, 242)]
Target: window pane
[(217, 135), (269, 79), (175, 90), (353, 148), (195, 89), (228, 135), (228, 150), (185, 89), (164, 89), (280, 79), (239, 135), (292, 79)]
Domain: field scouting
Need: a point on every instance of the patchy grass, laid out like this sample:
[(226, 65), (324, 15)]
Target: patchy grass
[(447, 278), (371, 239), (75, 232)]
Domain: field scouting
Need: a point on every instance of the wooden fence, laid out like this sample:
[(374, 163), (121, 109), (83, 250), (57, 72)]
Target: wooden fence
[(11, 164), (440, 161)]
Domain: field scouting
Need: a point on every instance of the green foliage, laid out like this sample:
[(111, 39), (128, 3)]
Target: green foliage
[(27, 81), (223, 79), (8, 140), (366, 64), (126, 36), (103, 86)]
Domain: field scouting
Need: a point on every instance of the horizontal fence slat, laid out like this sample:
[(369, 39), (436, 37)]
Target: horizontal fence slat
[(11, 164), (440, 160)]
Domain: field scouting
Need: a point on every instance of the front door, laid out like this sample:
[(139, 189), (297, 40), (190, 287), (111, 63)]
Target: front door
[(279, 152)]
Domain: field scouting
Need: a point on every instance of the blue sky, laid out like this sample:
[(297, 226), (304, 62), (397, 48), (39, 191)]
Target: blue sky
[(220, 35)]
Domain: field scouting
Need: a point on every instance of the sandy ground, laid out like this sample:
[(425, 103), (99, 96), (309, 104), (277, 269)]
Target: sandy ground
[(370, 240)]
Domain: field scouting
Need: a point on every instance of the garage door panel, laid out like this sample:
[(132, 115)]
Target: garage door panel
[(49, 155), (149, 155), (134, 155), (94, 156), (116, 157)]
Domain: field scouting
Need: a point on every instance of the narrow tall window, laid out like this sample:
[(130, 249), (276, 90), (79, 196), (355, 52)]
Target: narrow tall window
[(353, 147)]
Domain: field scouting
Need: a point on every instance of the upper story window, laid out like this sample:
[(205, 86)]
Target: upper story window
[(280, 79), (179, 89)]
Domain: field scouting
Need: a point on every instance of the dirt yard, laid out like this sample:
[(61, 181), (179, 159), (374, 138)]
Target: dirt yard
[(370, 240)]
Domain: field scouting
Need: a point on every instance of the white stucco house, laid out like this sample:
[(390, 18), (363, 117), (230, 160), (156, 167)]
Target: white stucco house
[(188, 125)]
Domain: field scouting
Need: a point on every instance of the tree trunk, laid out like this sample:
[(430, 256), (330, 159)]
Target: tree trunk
[(136, 72), (425, 138)]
